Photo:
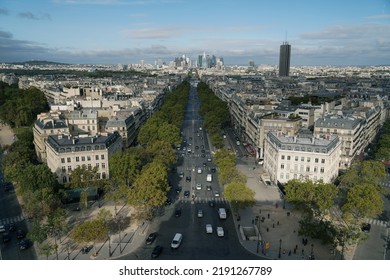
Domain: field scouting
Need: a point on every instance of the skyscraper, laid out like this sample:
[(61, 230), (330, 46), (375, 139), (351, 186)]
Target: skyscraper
[(284, 59)]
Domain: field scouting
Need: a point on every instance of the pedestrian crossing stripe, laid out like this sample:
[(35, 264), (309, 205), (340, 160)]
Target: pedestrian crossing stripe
[(204, 199), (11, 220), (377, 222)]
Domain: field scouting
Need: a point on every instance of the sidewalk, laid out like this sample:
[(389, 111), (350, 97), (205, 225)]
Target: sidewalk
[(119, 243), (278, 223)]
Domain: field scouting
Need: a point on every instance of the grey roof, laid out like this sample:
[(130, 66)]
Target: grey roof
[(51, 124), (338, 122)]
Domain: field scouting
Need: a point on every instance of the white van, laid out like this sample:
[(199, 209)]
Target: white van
[(209, 228), (209, 178), (176, 240), (222, 213)]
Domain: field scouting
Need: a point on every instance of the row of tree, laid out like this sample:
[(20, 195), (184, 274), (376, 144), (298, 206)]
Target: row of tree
[(382, 149), (334, 214), (215, 112), (19, 107)]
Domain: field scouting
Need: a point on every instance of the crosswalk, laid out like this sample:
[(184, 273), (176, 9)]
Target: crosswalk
[(219, 200), (377, 222), (11, 220)]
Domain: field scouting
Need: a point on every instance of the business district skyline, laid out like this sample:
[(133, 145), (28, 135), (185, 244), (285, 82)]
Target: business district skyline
[(340, 33)]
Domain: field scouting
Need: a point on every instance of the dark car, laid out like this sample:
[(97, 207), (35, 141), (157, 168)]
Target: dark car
[(178, 212), (366, 227), (86, 249), (178, 189), (6, 237), (212, 203), (20, 234), (24, 244), (187, 194), (188, 179), (11, 227), (156, 251), (209, 188), (151, 238), (213, 169), (168, 201), (7, 187)]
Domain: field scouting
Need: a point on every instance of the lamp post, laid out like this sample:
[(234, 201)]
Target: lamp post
[(258, 233), (280, 248), (312, 252), (109, 246)]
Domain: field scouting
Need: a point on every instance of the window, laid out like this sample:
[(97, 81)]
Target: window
[(63, 169), (83, 148), (315, 169), (307, 169), (316, 160), (295, 167), (68, 159), (323, 160), (89, 166), (102, 157), (97, 165), (98, 175), (69, 168), (77, 149), (288, 158), (302, 158), (64, 180), (103, 175), (295, 176), (103, 165), (88, 148), (281, 175), (77, 159), (308, 159), (89, 158), (282, 166), (82, 158), (301, 168), (296, 158), (282, 156), (287, 176), (322, 170), (97, 157), (96, 147), (62, 160)]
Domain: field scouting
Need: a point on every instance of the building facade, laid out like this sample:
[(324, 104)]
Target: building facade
[(301, 157), (284, 59), (66, 153)]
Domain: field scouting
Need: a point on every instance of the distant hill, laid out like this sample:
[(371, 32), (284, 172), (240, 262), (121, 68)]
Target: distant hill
[(40, 62)]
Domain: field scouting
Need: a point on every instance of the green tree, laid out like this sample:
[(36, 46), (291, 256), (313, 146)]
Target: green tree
[(90, 231), (239, 195)]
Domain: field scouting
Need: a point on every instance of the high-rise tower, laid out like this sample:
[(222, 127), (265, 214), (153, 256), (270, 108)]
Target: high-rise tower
[(284, 59)]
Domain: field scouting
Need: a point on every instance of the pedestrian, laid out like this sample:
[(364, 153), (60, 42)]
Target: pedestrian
[(284, 251), (278, 223), (289, 253), (273, 225), (268, 215), (295, 250), (303, 252), (267, 229), (296, 247), (238, 227)]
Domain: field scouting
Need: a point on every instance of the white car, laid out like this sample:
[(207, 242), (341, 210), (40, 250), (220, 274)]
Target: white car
[(198, 186), (200, 213), (2, 228), (220, 232), (176, 240), (209, 228), (199, 171), (216, 194)]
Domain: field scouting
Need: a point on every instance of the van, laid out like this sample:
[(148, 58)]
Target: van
[(209, 178), (176, 240), (222, 213)]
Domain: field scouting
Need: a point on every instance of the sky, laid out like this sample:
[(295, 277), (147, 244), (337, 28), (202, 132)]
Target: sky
[(327, 32)]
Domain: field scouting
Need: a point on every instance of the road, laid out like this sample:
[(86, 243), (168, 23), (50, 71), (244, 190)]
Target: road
[(196, 244)]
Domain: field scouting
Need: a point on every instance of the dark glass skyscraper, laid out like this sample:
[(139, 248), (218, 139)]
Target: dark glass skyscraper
[(284, 59)]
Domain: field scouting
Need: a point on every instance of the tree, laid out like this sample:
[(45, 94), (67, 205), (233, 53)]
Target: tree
[(90, 231), (47, 249), (125, 167), (163, 152), (363, 200), (239, 195)]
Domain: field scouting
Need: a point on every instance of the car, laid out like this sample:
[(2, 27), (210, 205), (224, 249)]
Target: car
[(366, 227), (188, 179), (203, 155), (168, 202), (20, 234), (220, 231), (199, 171), (209, 228), (196, 147), (24, 244), (200, 213), (181, 174), (203, 151), (216, 193), (205, 164), (213, 169), (6, 237), (156, 251), (176, 241), (7, 187), (151, 238), (2, 228), (11, 227), (212, 203), (86, 249), (209, 188), (178, 212), (209, 159), (198, 186), (178, 189), (184, 148), (202, 146)]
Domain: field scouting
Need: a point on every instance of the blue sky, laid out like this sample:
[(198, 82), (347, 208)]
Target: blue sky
[(343, 32)]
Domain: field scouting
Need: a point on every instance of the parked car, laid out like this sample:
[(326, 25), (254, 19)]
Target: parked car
[(151, 238), (198, 186), (188, 179), (366, 227), (156, 251), (86, 249), (178, 189), (168, 201), (178, 212), (24, 244), (181, 174), (20, 234)]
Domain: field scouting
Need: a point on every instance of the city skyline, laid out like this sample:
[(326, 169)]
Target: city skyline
[(117, 31)]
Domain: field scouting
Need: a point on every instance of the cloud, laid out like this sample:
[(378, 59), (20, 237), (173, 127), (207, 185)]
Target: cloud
[(30, 15), (4, 12), (382, 16), (6, 35), (152, 33)]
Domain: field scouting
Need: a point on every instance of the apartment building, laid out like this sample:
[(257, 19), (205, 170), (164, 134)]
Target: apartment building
[(46, 124), (351, 131), (65, 153), (83, 121), (301, 157)]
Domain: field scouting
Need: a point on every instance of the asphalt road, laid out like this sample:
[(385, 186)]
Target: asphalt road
[(196, 244)]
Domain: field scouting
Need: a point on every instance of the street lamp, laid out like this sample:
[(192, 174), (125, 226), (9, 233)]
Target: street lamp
[(312, 252), (280, 248), (258, 233), (109, 246)]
